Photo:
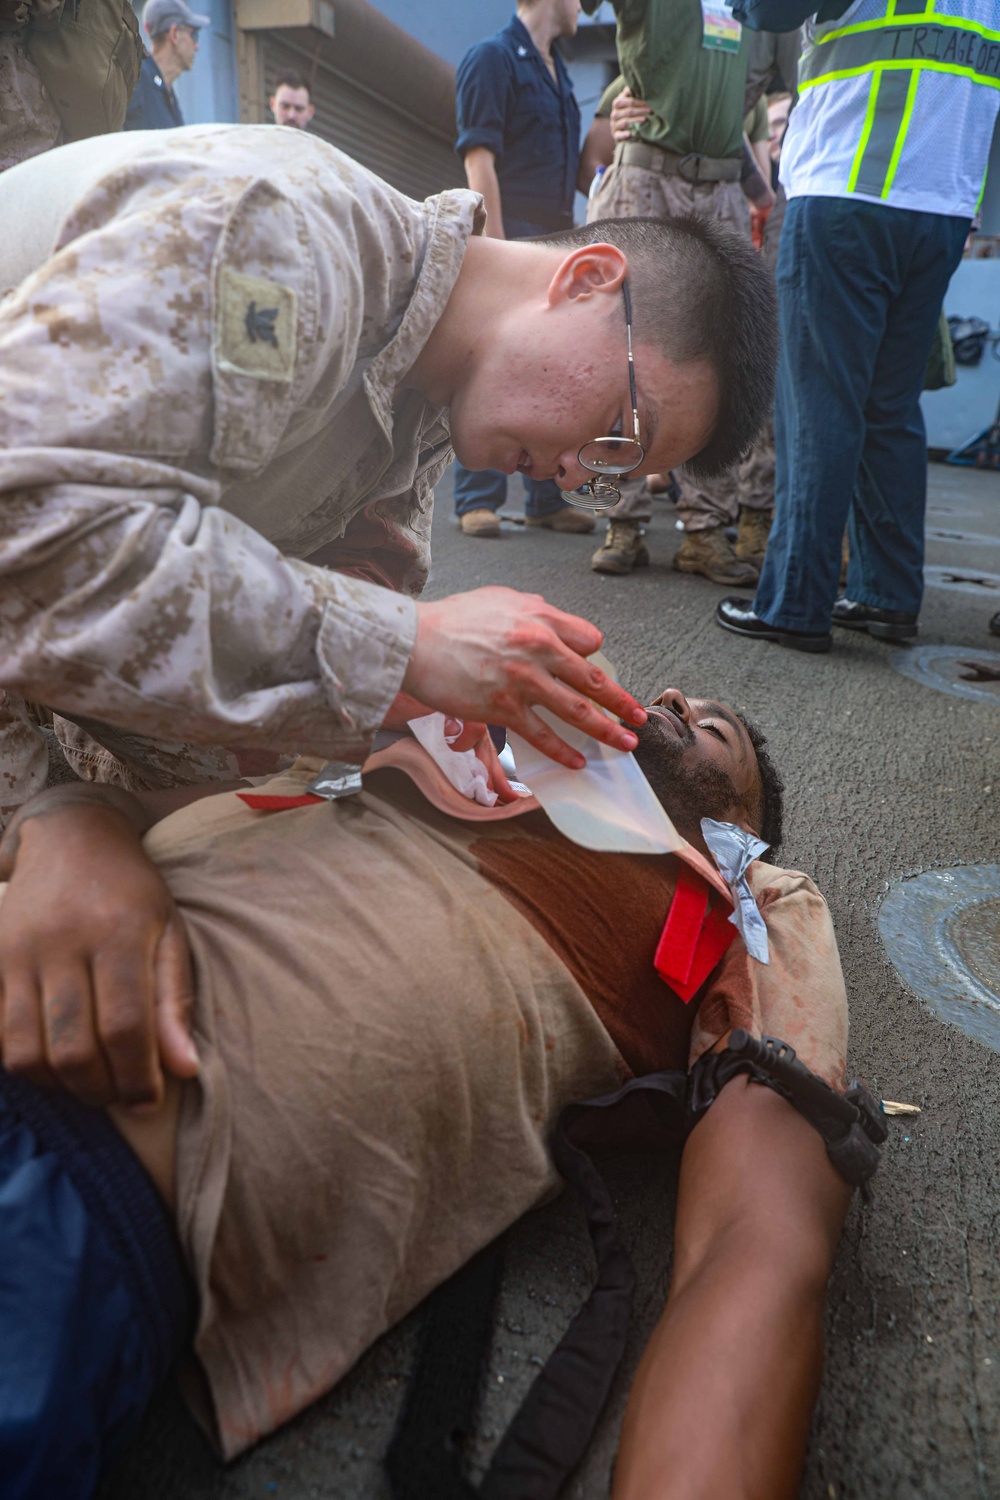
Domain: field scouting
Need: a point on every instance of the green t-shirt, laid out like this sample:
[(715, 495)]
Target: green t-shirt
[(614, 88), (756, 126), (696, 92)]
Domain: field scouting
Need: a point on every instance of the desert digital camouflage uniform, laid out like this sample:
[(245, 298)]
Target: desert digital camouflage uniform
[(29, 123), (757, 470), (772, 67), (630, 191), (199, 366)]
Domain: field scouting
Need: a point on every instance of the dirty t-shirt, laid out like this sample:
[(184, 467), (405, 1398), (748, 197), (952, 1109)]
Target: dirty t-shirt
[(392, 1007), (199, 384)]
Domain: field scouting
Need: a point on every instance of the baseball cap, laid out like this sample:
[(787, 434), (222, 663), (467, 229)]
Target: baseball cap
[(160, 15)]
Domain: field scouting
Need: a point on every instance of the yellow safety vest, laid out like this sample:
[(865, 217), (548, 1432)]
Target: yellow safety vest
[(899, 80)]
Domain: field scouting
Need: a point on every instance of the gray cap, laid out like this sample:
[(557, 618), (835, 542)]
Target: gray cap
[(160, 15)]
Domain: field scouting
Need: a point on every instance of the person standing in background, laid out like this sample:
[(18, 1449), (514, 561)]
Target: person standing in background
[(879, 206), (290, 103), (688, 62), (519, 136), (172, 28)]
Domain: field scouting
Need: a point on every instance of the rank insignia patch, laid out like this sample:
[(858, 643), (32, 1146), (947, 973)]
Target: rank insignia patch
[(255, 326)]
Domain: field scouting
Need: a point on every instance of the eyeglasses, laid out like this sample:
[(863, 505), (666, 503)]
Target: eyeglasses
[(192, 31), (605, 456)]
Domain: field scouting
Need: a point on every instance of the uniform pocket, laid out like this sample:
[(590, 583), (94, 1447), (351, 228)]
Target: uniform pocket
[(263, 326)]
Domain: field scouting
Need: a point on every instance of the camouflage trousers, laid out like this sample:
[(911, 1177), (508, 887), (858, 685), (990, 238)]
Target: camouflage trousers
[(29, 124), (31, 735), (627, 192)]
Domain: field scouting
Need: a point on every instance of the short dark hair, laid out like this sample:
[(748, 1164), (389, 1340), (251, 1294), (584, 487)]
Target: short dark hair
[(701, 291), (290, 79), (771, 813)]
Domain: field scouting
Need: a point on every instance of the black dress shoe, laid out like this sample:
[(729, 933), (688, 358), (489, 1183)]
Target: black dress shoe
[(886, 624), (737, 615)]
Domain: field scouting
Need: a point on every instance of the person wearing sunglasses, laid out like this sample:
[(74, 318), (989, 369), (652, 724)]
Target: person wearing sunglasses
[(172, 28), (272, 357)]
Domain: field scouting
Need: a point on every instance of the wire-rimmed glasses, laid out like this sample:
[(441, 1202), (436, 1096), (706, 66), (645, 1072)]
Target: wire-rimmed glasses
[(610, 457)]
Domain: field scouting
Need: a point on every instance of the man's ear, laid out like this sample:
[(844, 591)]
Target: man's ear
[(589, 270)]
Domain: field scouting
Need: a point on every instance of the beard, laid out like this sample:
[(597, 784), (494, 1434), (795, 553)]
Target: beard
[(687, 793)]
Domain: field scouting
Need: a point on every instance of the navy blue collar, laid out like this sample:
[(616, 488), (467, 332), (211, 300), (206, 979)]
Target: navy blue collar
[(522, 36)]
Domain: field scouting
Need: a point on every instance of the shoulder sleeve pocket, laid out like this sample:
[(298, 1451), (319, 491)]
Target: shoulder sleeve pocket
[(263, 326)]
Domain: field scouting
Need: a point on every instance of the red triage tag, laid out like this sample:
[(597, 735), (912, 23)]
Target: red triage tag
[(262, 802), (694, 938)]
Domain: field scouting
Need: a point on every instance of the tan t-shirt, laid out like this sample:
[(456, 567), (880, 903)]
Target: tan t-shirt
[(386, 1039)]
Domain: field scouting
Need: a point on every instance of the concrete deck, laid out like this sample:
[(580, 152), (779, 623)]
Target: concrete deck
[(884, 777)]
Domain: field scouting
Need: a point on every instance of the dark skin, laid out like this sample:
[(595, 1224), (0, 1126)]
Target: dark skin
[(95, 973), (97, 996), (722, 1400)]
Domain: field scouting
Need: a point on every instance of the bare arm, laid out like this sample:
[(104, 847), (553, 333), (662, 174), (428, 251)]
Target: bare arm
[(722, 1401), (481, 175), (597, 150)]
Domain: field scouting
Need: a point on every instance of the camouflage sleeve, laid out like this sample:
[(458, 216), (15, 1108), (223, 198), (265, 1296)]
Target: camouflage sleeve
[(155, 358), (24, 759), (134, 603)]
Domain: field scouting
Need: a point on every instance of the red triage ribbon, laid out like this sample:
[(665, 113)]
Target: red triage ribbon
[(263, 802), (694, 937)]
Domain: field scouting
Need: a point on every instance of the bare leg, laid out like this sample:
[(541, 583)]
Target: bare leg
[(722, 1400)]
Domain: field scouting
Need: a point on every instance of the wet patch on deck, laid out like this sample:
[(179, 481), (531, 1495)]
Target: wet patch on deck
[(941, 930), (962, 580), (960, 671)]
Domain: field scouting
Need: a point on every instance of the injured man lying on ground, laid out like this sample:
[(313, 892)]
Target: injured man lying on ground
[(394, 994)]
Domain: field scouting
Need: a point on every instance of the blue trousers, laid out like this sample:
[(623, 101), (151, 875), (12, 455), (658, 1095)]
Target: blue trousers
[(486, 489), (94, 1299), (860, 288)]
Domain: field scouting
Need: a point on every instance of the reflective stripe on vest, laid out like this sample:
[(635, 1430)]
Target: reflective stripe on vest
[(895, 49)]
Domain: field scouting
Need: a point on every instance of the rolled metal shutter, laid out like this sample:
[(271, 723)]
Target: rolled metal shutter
[(375, 130), (380, 95)]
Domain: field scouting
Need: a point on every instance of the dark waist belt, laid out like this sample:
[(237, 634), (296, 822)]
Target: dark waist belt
[(692, 167)]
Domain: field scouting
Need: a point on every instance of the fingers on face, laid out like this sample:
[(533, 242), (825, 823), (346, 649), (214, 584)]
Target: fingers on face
[(598, 688), (538, 733)]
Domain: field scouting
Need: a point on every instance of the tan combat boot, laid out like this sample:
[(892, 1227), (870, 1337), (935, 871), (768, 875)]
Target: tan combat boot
[(569, 519), (711, 554), (482, 522), (622, 550), (751, 538)]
